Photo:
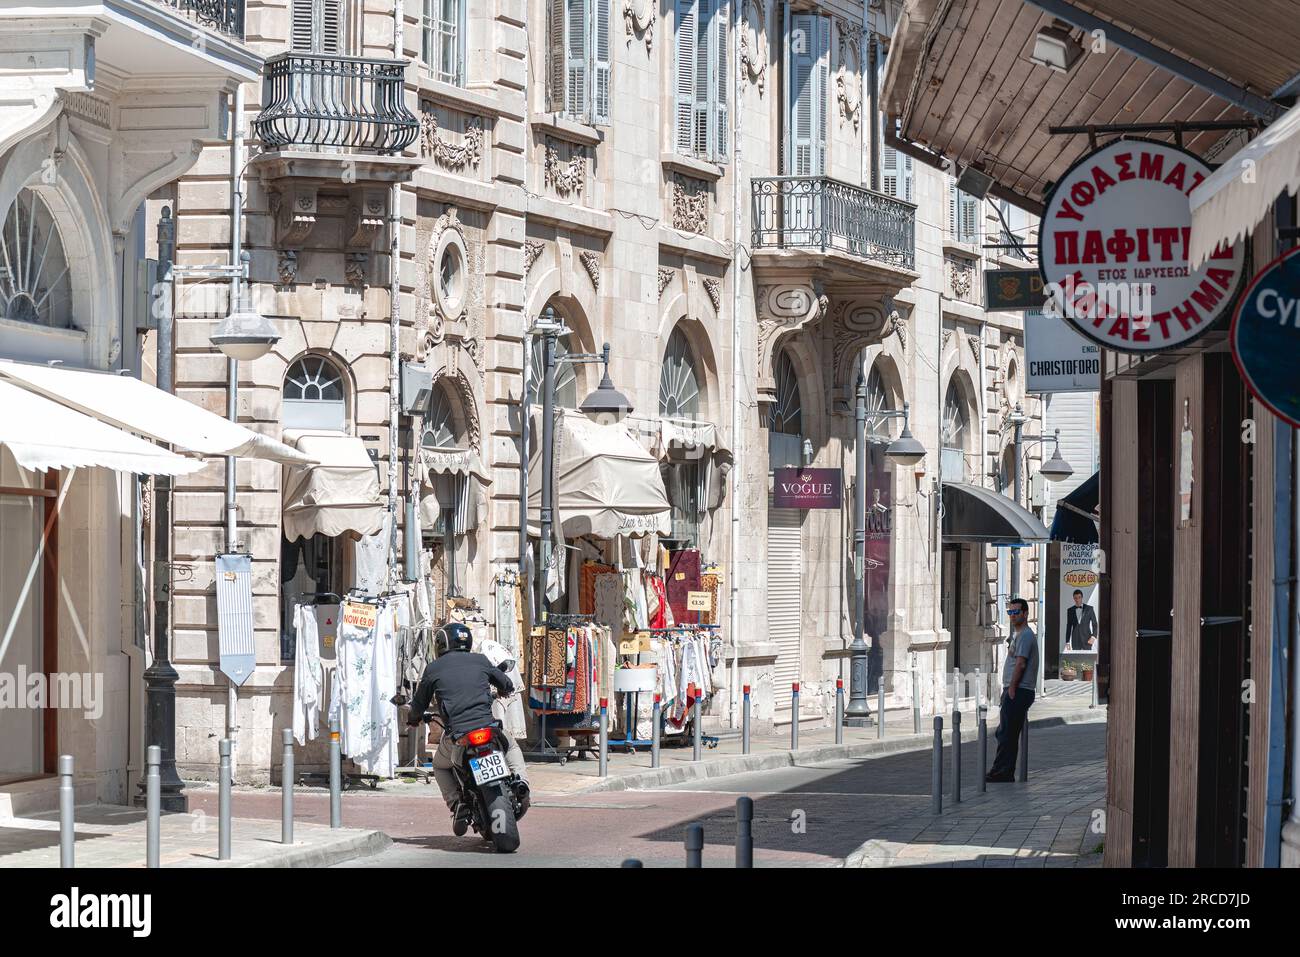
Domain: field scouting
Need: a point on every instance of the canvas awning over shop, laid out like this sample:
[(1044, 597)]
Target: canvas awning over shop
[(1074, 520), (128, 403), (606, 483), (451, 478), (1229, 204), (45, 435), (980, 515), (340, 493)]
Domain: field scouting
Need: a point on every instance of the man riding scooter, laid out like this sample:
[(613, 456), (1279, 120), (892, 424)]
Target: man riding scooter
[(463, 683)]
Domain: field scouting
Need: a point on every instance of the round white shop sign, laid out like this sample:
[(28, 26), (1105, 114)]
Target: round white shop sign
[(1112, 248)]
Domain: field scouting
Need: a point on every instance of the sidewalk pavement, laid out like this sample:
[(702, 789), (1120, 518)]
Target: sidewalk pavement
[(114, 836), (816, 745)]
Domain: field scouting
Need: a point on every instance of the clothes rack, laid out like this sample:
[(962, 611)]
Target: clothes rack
[(544, 750)]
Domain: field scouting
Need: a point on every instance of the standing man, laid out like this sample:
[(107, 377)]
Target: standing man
[(1080, 625), (1019, 677)]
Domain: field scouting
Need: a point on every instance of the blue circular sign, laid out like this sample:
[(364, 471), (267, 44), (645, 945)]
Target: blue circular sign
[(1266, 336)]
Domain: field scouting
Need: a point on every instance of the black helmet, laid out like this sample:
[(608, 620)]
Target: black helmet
[(452, 637)]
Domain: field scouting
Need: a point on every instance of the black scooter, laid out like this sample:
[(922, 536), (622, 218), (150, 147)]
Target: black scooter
[(492, 797)]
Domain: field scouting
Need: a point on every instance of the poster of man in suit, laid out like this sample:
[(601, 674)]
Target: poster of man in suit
[(1079, 596)]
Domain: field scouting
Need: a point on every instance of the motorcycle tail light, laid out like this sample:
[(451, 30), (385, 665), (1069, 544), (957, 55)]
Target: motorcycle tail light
[(480, 737)]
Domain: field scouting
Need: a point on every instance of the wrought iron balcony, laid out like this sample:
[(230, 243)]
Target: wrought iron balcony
[(817, 212), (224, 16), (346, 103)]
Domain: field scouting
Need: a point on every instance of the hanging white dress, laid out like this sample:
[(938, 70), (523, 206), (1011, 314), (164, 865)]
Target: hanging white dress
[(308, 678)]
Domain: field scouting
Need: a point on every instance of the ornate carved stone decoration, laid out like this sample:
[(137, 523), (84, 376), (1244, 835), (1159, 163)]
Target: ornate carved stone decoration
[(961, 276), (947, 337), (532, 250), (848, 81), (639, 17), (665, 277), (288, 267), (753, 43), (365, 218), (565, 177), (690, 204), (591, 262), (895, 324), (782, 310), (295, 215), (87, 107), (354, 267), (976, 346), (855, 323), (449, 155), (436, 320), (465, 392), (714, 289)]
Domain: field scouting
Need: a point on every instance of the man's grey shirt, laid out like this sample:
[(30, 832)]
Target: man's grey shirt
[(1024, 645)]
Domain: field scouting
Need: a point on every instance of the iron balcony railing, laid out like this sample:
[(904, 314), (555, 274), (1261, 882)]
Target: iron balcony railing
[(817, 212), (224, 16), (315, 101)]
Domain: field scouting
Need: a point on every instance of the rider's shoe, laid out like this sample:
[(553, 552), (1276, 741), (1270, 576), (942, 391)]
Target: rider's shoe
[(522, 797), (461, 815)]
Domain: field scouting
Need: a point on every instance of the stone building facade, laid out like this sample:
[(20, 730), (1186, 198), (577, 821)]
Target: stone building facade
[(685, 181)]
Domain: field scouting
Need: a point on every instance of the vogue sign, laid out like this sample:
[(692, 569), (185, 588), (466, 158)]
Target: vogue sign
[(1113, 249), (807, 488)]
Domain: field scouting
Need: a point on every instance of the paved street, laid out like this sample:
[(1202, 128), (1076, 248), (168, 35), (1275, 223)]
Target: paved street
[(874, 811)]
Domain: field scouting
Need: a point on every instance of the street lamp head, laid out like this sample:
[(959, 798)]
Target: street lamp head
[(245, 334), (606, 400), (905, 450), (1056, 469)]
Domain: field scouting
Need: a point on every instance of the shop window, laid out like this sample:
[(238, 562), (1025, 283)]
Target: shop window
[(313, 395), (443, 429), (35, 284), (785, 417), (311, 570)]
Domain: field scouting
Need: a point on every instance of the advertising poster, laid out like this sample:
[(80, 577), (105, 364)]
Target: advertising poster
[(1080, 572)]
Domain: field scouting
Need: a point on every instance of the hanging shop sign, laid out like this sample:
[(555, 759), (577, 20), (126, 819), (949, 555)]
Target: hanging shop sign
[(1266, 336), (1057, 358), (807, 488), (1112, 248), (1012, 290)]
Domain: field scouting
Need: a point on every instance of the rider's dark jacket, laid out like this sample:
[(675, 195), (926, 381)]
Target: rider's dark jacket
[(462, 681)]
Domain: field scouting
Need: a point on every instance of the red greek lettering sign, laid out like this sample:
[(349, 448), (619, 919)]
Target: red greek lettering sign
[(807, 488), (1112, 248)]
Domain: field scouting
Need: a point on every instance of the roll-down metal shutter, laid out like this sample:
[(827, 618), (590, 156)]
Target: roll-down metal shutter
[(785, 598)]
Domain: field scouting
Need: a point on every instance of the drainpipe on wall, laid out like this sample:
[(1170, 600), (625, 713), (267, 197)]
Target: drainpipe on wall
[(394, 331), (737, 439)]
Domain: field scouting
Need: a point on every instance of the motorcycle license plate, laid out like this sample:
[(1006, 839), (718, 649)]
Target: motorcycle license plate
[(492, 767)]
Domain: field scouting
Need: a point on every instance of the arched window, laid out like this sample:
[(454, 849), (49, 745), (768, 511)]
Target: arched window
[(442, 428), (956, 423), (878, 427), (566, 380), (313, 395), (35, 285), (785, 415), (679, 387)]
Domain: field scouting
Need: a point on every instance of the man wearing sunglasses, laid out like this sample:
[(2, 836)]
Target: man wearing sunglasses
[(1019, 677)]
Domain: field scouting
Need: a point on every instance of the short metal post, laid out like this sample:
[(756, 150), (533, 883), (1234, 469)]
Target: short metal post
[(656, 720), (604, 737), (744, 723), (956, 757), (286, 788), (745, 832), (839, 710), (695, 845), (1022, 766), (880, 707), (697, 739), (936, 768), (794, 716), (336, 776), (1096, 671), (983, 713), (223, 802), (67, 811), (916, 702), (152, 804)]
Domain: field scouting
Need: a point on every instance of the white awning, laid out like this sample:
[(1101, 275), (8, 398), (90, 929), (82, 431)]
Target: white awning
[(136, 406), (1240, 193), (606, 483), (45, 435), (338, 494), (452, 478)]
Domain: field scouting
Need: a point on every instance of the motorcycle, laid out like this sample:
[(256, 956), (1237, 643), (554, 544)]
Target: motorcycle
[(490, 791)]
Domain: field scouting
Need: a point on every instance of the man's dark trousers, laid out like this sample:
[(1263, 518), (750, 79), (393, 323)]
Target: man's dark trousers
[(1011, 722)]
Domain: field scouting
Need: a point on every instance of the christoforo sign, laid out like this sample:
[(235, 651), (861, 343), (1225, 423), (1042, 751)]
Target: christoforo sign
[(1112, 248), (807, 488)]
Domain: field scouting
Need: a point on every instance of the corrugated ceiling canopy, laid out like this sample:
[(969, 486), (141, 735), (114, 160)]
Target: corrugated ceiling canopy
[(960, 79)]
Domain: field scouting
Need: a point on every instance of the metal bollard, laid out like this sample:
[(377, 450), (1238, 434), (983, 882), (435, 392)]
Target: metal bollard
[(632, 862), (983, 713), (979, 690), (336, 776), (1096, 672), (1022, 766), (936, 768), (656, 720), (223, 802), (152, 804), (916, 702), (956, 757), (697, 731), (695, 845), (745, 832), (880, 708), (794, 716), (67, 812), (604, 737), (744, 723), (839, 710), (286, 788)]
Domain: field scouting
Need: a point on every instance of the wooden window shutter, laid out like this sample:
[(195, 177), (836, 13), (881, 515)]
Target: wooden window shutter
[(704, 54), (821, 91), (331, 26), (685, 55), (575, 57), (601, 67), (721, 80), (557, 47), (807, 50), (301, 30)]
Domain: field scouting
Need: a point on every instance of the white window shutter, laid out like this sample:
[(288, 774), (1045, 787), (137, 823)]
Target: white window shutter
[(822, 91), (331, 26), (970, 218), (685, 55), (908, 179), (301, 33), (601, 65), (954, 223), (576, 80), (722, 80), (557, 50), (704, 54), (891, 179), (801, 118)]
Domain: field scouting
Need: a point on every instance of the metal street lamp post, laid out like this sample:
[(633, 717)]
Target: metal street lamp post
[(905, 450)]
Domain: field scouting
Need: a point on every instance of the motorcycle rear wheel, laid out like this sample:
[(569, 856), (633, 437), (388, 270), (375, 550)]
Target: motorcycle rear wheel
[(501, 824)]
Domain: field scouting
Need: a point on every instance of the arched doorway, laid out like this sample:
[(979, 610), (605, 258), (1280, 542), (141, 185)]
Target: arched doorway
[(679, 398), (449, 497)]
